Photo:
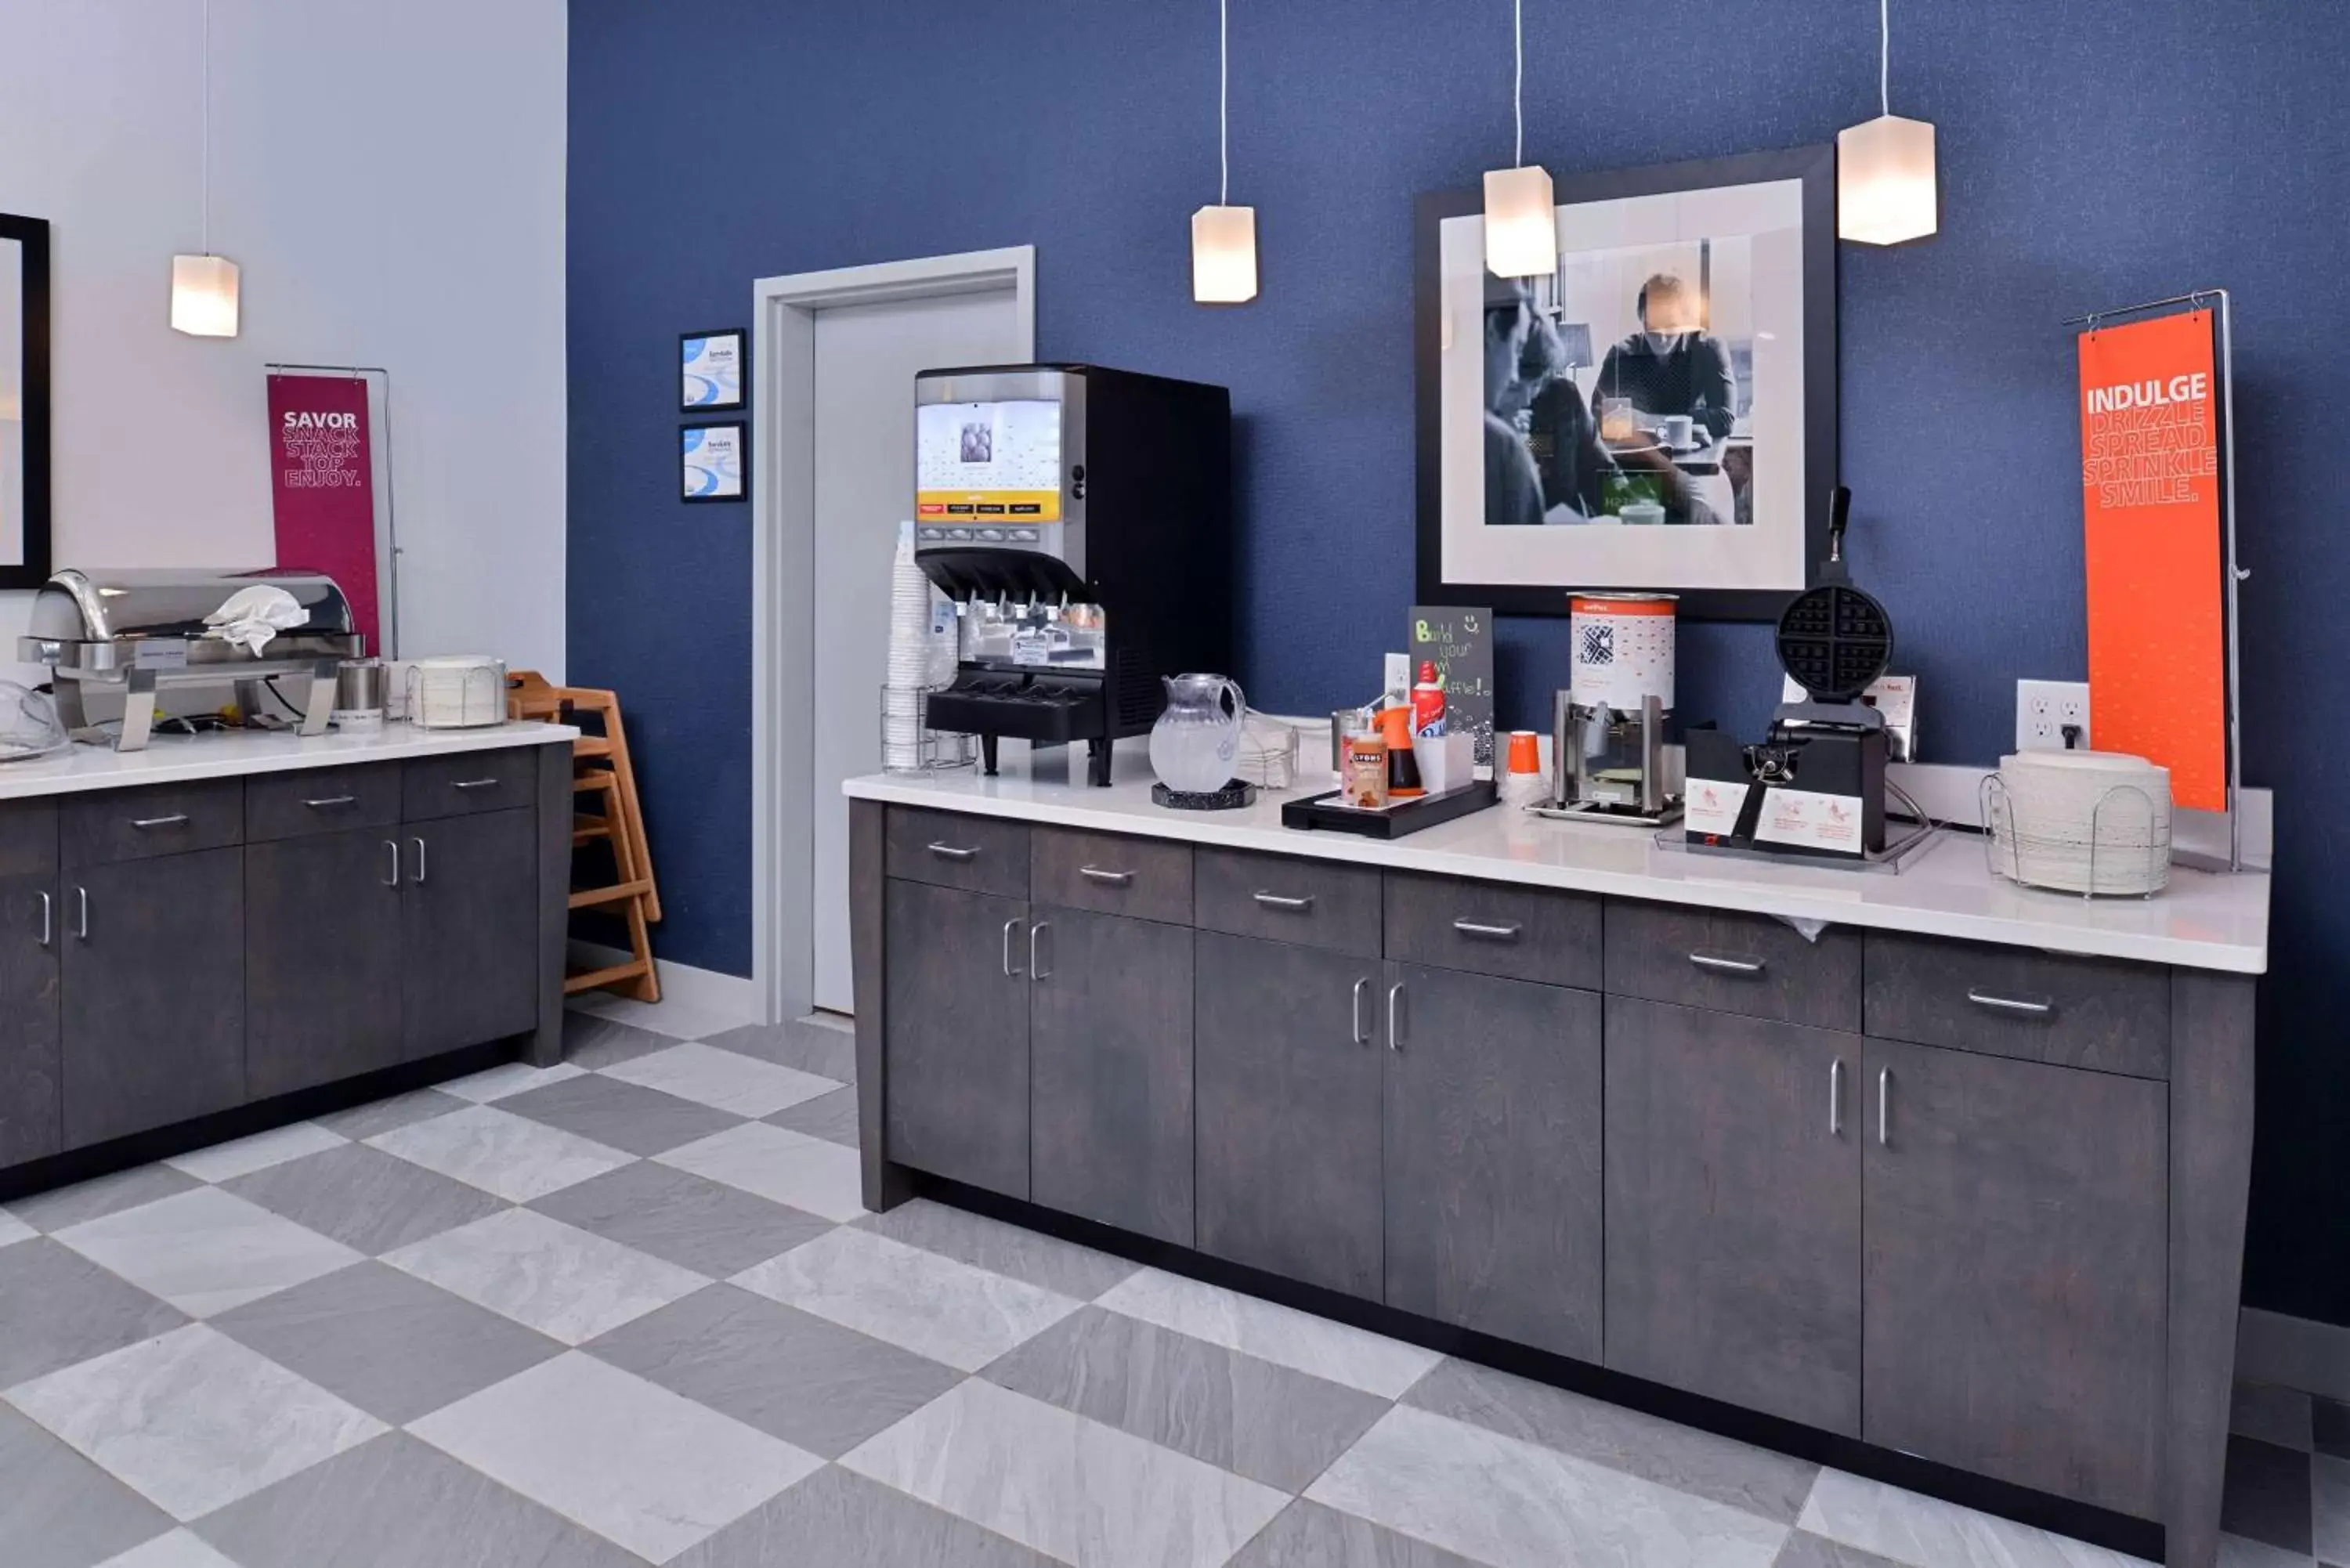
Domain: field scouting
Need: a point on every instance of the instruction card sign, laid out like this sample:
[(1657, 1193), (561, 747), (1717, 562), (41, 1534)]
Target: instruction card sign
[(1459, 643), (322, 486)]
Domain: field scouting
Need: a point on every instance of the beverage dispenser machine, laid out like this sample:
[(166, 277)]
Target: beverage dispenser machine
[(1081, 519)]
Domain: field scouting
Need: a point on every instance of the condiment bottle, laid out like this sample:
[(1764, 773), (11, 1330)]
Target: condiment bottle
[(1403, 767)]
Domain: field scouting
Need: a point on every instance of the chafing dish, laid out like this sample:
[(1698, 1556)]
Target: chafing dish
[(135, 631)]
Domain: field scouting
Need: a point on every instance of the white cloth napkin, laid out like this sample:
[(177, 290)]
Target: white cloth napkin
[(254, 615)]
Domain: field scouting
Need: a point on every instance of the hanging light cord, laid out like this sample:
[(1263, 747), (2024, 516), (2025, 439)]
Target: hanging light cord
[(1223, 92), (1885, 57), (1518, 81), (205, 144)]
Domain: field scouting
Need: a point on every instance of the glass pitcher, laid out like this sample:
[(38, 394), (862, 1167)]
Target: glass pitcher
[(1197, 740)]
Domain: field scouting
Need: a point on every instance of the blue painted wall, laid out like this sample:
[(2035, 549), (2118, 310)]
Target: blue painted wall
[(2093, 153)]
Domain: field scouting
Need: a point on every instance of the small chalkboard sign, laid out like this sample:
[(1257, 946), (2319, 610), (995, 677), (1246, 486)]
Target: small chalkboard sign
[(1459, 643)]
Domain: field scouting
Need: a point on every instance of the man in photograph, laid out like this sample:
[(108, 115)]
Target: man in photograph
[(1669, 365), (1514, 488)]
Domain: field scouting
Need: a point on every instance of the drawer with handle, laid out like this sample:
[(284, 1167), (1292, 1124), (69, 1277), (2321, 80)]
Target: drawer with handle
[(324, 800), (2064, 1009), (1734, 962), (1487, 928), (28, 837), (1317, 903), (107, 826), (469, 782), (949, 849), (1150, 878)]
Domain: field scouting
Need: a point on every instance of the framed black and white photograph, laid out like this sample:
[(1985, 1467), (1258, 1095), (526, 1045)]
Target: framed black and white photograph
[(713, 461), (1659, 414), (714, 367)]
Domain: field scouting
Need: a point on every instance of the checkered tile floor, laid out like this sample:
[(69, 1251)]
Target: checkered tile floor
[(629, 1310)]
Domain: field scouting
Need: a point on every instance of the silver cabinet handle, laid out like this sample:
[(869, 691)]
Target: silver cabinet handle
[(1836, 1099), (1502, 933), (1036, 971), (1009, 973), (419, 877), (1282, 901), (2011, 1004), (1884, 1102), (953, 852), (1726, 965), (1395, 1016), (48, 916), (393, 844), (84, 899), (326, 801), (1361, 1036), (474, 784), (1099, 874), (173, 820)]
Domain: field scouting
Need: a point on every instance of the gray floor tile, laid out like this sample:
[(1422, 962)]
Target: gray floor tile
[(61, 1308), (620, 1115), (1045, 1261), (241, 1157), (687, 1219), (2330, 1479), (820, 1048), (1265, 1422), (814, 1383), (2329, 1422), (207, 1250), (1756, 1480), (2273, 1415), (391, 1345), (832, 1117), (57, 1209), (1334, 1352), (2268, 1494), (364, 1197), (593, 1043), (839, 1519), (1908, 1528), (60, 1510), (1804, 1549), (382, 1115), (397, 1502), (1308, 1535)]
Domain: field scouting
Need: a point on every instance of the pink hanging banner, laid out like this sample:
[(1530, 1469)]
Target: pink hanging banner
[(322, 485)]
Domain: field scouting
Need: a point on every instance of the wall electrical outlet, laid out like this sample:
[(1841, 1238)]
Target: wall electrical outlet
[(2045, 709)]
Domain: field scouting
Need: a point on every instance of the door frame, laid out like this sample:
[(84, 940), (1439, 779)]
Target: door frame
[(783, 568)]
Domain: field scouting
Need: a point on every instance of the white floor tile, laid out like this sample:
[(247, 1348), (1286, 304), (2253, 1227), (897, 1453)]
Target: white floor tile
[(206, 1250), (563, 1282), (1069, 1487), (678, 1020), (174, 1548), (634, 1462), (191, 1420), (807, 1173), (2236, 1551), (499, 1152), (1910, 1528), (710, 1076), (1270, 1332), (2273, 1415), (507, 1078), (931, 1305), (262, 1151), (1517, 1505), (2330, 1484), (14, 1230)]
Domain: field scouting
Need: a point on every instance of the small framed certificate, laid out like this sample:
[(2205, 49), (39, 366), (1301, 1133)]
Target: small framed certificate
[(715, 364), (712, 461)]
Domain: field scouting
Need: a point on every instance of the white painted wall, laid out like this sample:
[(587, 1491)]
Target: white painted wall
[(389, 175)]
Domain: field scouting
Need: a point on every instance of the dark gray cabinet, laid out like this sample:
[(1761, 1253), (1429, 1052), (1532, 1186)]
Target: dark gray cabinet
[(1288, 1044), (2015, 1276), (955, 999), (322, 958), (1110, 1065), (154, 992), (469, 930), (31, 1105), (1734, 1209), (1491, 1174)]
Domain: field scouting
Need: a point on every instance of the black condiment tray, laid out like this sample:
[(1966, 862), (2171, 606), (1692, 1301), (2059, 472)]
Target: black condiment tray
[(1329, 811)]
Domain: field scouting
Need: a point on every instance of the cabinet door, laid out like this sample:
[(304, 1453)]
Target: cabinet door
[(468, 930), (2016, 1254), (1734, 1209), (954, 1027), (1287, 1072), (154, 992), (1110, 1065), (30, 1103), (1492, 1169), (322, 917)]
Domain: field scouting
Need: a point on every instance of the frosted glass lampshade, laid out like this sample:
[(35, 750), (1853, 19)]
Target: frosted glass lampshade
[(203, 297), (1885, 181), (1521, 223), (1224, 254)]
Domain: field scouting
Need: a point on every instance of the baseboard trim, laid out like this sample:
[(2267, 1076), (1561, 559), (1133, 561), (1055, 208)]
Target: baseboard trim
[(2294, 1352), (703, 990)]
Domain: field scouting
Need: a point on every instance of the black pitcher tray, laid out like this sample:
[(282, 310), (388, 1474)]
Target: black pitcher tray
[(1406, 817)]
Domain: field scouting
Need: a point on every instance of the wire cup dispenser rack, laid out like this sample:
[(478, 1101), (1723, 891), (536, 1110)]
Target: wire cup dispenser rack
[(2133, 863)]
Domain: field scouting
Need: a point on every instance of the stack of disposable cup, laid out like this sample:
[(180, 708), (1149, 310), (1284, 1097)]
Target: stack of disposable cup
[(914, 664)]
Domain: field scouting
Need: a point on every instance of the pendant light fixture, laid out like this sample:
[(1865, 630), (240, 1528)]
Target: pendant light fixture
[(1223, 238), (1884, 169), (1521, 219), (204, 287)]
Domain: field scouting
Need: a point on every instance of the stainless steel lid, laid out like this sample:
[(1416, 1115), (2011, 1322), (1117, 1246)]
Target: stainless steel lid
[(137, 602)]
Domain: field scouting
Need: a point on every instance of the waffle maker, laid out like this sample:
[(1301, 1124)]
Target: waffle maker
[(1816, 786)]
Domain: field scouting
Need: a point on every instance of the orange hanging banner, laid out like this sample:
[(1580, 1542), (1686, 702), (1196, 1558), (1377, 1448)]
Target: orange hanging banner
[(2150, 491)]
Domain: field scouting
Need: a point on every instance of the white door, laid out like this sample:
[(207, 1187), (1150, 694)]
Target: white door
[(866, 358)]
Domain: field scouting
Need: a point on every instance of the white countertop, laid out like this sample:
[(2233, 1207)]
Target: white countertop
[(176, 758), (2203, 920)]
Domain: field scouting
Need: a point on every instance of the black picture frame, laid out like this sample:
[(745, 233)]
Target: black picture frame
[(1814, 168), (741, 399), (741, 429), (33, 235)]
